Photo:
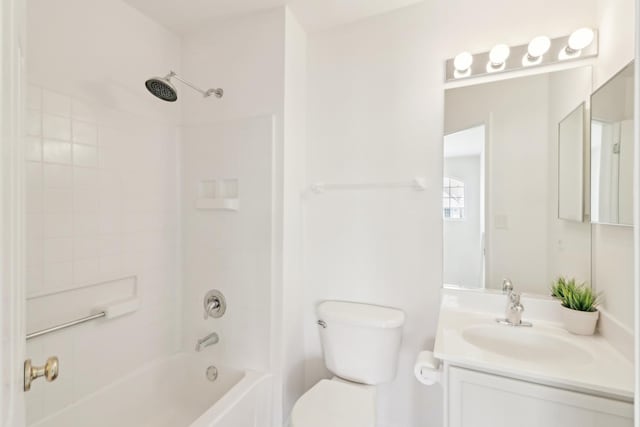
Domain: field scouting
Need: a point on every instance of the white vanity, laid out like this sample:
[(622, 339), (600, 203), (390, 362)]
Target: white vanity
[(497, 375)]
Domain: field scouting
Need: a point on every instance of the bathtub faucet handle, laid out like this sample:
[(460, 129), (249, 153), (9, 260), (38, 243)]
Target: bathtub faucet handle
[(214, 304)]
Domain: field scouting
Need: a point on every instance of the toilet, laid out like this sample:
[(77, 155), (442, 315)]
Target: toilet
[(360, 344)]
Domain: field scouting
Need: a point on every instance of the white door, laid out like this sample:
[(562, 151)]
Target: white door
[(12, 24)]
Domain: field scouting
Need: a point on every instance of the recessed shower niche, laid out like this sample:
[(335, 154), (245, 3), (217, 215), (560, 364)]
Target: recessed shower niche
[(218, 194)]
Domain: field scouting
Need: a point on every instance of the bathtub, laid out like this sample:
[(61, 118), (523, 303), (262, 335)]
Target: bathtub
[(174, 392)]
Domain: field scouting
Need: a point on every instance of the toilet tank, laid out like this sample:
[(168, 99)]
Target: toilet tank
[(360, 342)]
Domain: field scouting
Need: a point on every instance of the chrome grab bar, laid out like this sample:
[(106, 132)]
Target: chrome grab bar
[(65, 325)]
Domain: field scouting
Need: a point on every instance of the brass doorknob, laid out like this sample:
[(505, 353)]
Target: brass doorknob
[(49, 371)]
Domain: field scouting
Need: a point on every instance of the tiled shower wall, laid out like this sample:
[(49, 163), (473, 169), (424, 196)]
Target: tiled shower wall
[(102, 224)]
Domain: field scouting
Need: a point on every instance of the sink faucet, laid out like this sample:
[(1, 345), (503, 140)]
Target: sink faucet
[(507, 286), (513, 313), (210, 339)]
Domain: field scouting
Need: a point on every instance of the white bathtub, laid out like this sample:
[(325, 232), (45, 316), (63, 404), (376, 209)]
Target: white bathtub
[(174, 392)]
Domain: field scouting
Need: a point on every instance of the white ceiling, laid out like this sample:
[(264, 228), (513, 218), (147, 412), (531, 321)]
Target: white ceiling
[(182, 16)]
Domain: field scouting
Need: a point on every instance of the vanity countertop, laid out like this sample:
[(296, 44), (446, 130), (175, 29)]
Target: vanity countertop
[(469, 336)]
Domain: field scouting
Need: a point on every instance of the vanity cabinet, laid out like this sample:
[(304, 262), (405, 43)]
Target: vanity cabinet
[(476, 399)]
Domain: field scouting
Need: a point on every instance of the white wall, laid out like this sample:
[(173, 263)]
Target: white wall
[(102, 193), (375, 113), (462, 239), (613, 246)]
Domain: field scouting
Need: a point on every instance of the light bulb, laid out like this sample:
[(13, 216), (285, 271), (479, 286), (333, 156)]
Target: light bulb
[(463, 61), (499, 54), (538, 47), (579, 39)]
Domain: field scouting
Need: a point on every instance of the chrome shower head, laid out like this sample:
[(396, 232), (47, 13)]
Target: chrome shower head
[(162, 88)]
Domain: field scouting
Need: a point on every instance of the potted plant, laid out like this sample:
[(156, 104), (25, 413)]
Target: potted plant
[(579, 309), (559, 286)]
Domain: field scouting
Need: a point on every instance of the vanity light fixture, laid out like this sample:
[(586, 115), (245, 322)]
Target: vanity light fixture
[(579, 40), (540, 51), (462, 63), (536, 48), (497, 57)]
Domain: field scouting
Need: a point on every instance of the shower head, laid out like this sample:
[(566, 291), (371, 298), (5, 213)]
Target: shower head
[(162, 88)]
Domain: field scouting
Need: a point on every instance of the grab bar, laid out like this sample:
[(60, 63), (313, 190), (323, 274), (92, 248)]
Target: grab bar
[(65, 325)]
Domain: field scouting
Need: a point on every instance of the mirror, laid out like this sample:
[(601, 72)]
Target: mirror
[(612, 150), (501, 183), (571, 149)]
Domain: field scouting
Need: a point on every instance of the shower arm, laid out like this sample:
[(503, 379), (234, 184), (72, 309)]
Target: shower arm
[(205, 93)]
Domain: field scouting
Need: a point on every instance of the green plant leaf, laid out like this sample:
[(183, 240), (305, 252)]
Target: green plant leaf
[(580, 298)]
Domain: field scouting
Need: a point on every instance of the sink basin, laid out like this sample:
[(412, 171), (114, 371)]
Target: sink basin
[(524, 343)]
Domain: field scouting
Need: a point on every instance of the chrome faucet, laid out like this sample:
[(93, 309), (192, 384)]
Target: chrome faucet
[(507, 286), (210, 339), (513, 312)]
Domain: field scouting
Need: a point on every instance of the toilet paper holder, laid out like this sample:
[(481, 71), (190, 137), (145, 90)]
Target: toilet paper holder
[(428, 369)]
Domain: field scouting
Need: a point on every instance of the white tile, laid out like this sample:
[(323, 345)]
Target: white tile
[(56, 103), (86, 247), (110, 137), (57, 275), (110, 244), (34, 226), (85, 200), (34, 97), (56, 127), (85, 155), (110, 222), (86, 225), (56, 151), (33, 148), (58, 176), (86, 271), (34, 176), (58, 225), (57, 250), (58, 200), (34, 123), (84, 133), (86, 178), (34, 250), (81, 110), (35, 279), (110, 158), (110, 266)]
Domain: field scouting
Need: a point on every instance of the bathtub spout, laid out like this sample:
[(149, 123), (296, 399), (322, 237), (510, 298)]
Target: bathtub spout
[(210, 339)]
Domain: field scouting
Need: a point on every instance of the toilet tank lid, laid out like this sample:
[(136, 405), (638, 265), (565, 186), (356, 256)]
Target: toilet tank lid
[(361, 314)]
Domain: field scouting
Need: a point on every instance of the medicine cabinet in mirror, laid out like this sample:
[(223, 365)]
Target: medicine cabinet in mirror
[(612, 150), (571, 165), (502, 185)]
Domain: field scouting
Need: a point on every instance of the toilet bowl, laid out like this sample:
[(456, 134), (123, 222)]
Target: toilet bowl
[(360, 345), (332, 403)]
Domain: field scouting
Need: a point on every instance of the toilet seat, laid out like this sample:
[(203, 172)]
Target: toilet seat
[(335, 404)]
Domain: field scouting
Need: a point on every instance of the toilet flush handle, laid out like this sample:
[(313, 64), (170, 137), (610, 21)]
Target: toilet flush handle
[(322, 323)]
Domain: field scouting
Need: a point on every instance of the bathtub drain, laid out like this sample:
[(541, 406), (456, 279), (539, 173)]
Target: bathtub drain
[(212, 373)]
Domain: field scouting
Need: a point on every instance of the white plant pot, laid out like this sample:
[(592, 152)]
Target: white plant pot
[(580, 322)]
